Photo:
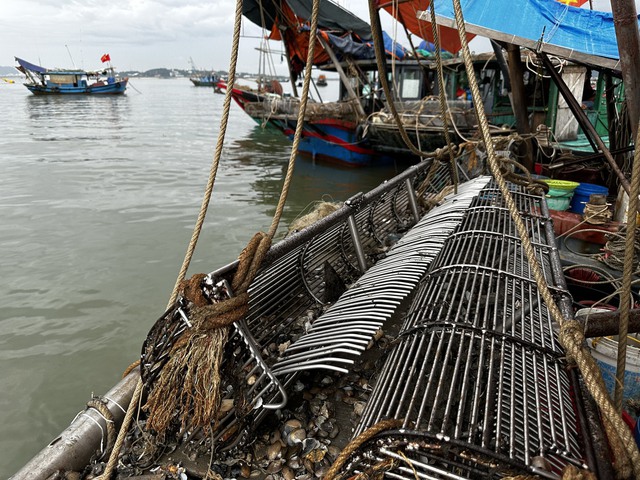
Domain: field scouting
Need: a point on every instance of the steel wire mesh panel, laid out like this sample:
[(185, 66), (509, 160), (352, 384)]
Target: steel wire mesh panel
[(347, 326), (290, 292), (477, 375)]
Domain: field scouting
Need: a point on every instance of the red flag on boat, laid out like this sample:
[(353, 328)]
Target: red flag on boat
[(574, 3), (105, 58)]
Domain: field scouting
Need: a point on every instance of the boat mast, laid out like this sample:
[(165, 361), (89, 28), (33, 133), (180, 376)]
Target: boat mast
[(343, 76), (518, 97), (626, 25)]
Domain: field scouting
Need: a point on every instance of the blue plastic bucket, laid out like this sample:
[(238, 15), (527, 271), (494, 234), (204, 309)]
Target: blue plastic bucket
[(605, 352), (582, 193)]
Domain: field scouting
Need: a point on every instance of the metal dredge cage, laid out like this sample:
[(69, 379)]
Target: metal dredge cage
[(477, 376), (287, 294)]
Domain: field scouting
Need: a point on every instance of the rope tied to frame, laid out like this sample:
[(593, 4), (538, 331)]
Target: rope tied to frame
[(247, 271), (100, 406), (190, 381)]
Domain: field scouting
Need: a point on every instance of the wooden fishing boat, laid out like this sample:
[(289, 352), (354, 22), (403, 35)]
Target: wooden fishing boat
[(44, 81), (205, 80), (332, 130)]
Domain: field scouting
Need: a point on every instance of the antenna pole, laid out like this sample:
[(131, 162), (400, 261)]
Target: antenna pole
[(69, 52)]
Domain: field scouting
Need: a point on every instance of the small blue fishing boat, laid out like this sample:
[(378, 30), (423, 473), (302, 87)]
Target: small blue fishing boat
[(205, 80), (45, 81)]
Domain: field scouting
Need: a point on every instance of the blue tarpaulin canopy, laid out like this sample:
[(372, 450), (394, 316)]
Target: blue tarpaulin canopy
[(556, 28), (30, 66), (347, 45)]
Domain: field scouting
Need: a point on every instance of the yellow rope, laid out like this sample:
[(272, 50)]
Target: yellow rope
[(442, 96), (368, 434), (571, 335), (113, 459), (375, 27), (627, 273), (301, 114), (209, 189)]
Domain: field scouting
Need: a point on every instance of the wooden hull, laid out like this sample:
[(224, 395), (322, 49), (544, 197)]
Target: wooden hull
[(329, 140)]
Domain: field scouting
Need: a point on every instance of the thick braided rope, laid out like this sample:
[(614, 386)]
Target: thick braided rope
[(571, 335), (368, 434), (627, 273), (375, 27), (99, 405), (442, 96), (301, 114), (113, 459), (218, 153)]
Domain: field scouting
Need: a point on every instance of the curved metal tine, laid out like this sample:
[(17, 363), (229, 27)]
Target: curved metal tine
[(328, 339), (243, 330), (391, 281), (363, 315), (398, 289), (354, 325), (359, 326), (302, 366), (320, 354), (357, 303)]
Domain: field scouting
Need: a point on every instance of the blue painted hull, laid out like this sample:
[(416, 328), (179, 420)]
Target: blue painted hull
[(117, 87), (333, 141), (327, 140)]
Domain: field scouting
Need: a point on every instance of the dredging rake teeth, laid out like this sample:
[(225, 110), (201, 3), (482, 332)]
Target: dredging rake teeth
[(302, 274), (345, 329), (477, 377)]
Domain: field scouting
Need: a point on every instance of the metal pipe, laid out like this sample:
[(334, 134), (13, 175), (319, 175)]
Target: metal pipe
[(413, 202), (604, 324), (73, 449), (353, 230)]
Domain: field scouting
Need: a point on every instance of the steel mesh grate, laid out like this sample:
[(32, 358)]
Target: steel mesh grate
[(287, 294), (346, 328), (477, 375)]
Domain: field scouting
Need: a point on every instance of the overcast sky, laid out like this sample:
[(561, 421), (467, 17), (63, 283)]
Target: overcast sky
[(140, 34)]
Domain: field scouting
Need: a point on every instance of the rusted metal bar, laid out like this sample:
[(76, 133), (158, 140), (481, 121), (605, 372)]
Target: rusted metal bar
[(625, 20), (519, 99), (604, 324)]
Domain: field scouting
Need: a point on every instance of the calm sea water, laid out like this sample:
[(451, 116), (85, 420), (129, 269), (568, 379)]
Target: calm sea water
[(98, 198)]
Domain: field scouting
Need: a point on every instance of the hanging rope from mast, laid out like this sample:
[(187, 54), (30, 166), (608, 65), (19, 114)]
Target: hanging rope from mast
[(571, 334), (252, 255), (375, 27)]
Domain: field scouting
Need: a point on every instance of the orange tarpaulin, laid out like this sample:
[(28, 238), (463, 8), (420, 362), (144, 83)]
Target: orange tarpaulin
[(406, 13), (297, 40)]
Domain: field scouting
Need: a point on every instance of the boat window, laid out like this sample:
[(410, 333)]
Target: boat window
[(410, 84)]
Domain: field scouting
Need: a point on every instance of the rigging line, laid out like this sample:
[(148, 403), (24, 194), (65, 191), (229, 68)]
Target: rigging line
[(301, 114), (375, 27), (628, 271), (442, 96), (113, 458)]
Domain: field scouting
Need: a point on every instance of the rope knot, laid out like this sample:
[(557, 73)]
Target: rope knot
[(187, 390), (571, 332)]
